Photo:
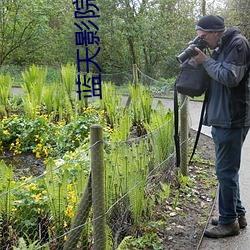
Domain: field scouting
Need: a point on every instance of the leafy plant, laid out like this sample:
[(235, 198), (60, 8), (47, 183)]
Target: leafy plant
[(30, 208), (113, 109), (147, 241), (5, 90), (48, 98), (126, 173), (164, 192), (84, 102), (68, 74), (141, 104), (184, 181), (56, 187), (22, 245), (161, 126), (6, 184), (176, 199), (43, 137), (33, 86)]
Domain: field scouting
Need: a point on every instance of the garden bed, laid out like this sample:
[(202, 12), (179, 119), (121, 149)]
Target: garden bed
[(178, 221)]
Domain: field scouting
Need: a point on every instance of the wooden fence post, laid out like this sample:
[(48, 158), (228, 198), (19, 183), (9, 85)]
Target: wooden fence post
[(98, 194), (184, 135), (135, 74), (80, 218)]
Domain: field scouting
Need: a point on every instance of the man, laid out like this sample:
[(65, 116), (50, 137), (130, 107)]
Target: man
[(228, 112)]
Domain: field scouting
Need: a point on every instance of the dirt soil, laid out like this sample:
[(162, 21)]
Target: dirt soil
[(25, 164), (187, 222)]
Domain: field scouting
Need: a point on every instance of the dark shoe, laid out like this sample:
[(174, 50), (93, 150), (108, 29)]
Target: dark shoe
[(221, 231), (241, 219)]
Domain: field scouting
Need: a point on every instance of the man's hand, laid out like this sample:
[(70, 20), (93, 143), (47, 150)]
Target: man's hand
[(200, 58)]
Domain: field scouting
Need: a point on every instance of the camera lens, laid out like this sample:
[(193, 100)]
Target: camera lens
[(187, 53)]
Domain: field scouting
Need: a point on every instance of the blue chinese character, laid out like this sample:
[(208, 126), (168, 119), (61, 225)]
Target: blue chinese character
[(85, 38), (77, 4), (87, 60), (95, 84), (80, 14)]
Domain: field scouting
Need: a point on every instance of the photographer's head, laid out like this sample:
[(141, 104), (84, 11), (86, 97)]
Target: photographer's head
[(211, 28)]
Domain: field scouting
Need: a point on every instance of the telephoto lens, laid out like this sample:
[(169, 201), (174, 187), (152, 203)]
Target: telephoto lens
[(190, 50)]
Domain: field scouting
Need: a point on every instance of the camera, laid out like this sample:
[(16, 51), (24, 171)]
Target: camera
[(190, 51)]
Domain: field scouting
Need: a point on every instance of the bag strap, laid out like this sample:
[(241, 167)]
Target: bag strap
[(176, 126), (199, 127)]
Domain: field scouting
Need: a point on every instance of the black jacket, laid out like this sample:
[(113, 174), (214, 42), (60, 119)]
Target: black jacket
[(229, 90)]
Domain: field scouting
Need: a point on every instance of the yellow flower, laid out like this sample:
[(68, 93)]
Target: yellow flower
[(31, 187), (45, 151), (16, 152), (69, 211), (73, 199), (38, 155), (14, 209), (37, 196), (102, 112), (6, 132)]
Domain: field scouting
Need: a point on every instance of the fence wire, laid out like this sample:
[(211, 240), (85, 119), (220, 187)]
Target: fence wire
[(43, 210)]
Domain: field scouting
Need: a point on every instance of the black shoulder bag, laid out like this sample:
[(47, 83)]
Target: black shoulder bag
[(191, 81)]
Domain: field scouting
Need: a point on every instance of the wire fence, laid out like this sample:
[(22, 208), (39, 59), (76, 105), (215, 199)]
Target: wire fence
[(42, 208), (55, 210), (160, 87), (53, 74)]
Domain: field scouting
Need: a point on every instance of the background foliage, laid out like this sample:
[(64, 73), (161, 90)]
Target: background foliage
[(149, 33)]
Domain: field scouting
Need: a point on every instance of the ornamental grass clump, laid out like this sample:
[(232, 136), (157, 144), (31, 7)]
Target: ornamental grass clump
[(141, 106), (33, 84), (160, 131), (111, 103)]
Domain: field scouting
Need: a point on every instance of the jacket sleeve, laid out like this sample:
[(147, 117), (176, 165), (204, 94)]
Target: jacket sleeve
[(234, 66)]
